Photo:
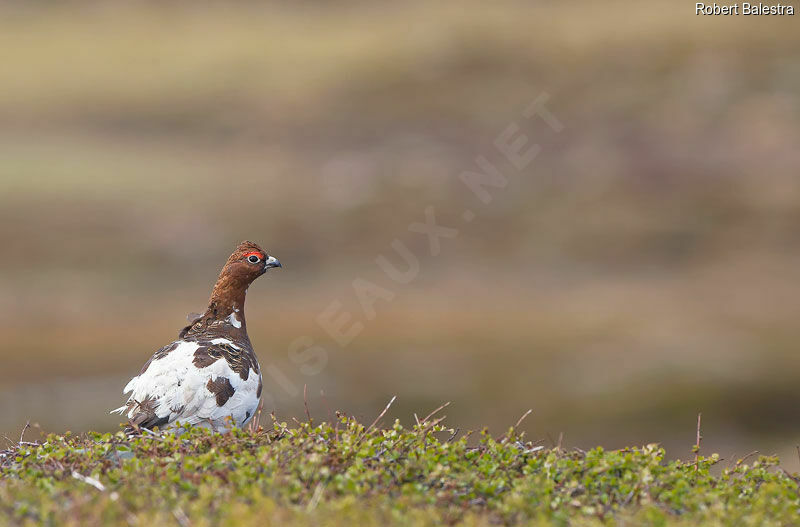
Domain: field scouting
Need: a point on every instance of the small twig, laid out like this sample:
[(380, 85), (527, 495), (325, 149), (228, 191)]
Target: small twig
[(445, 405), (336, 428), (24, 429), (697, 444), (751, 454), (519, 421), (211, 424), (277, 427), (305, 402), (89, 481), (437, 421), (798, 451), (181, 517), (312, 504), (255, 422), (378, 455), (377, 418), (453, 435), (516, 426), (560, 440), (793, 478), (630, 495)]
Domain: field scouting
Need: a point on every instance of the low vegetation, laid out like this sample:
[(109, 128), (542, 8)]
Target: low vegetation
[(348, 473)]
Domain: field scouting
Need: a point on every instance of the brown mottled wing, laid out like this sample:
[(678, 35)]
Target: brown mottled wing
[(145, 414), (239, 360)]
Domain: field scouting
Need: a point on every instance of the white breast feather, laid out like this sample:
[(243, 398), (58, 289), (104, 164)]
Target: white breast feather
[(180, 389)]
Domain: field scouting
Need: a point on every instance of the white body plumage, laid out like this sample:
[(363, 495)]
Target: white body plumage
[(177, 390)]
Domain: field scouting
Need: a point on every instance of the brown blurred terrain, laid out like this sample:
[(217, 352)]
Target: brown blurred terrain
[(641, 269)]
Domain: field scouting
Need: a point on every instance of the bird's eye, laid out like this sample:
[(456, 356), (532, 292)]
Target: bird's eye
[(253, 259)]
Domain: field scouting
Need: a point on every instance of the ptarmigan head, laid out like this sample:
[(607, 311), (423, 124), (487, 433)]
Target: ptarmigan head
[(248, 262)]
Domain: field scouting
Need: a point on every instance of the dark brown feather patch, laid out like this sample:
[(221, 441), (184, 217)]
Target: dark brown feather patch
[(240, 361), (205, 356), (145, 416), (221, 387)]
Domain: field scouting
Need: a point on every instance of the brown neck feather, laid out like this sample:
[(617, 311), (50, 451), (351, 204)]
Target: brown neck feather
[(227, 297)]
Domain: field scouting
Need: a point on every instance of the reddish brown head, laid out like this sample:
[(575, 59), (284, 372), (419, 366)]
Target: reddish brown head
[(248, 262), (225, 313)]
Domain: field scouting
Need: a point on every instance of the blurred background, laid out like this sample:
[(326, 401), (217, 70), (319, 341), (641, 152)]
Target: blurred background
[(642, 269)]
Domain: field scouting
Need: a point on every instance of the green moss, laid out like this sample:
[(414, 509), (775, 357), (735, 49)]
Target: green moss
[(344, 473)]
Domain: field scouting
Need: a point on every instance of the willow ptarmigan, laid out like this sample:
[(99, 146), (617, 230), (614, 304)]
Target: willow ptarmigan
[(209, 376)]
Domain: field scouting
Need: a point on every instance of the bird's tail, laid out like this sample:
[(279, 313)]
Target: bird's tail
[(119, 410)]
